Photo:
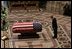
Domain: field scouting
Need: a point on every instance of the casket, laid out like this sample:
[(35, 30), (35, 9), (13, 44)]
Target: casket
[(26, 27)]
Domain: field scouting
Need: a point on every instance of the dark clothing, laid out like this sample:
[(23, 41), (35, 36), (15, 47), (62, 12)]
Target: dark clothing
[(67, 10), (54, 23), (55, 32), (54, 26)]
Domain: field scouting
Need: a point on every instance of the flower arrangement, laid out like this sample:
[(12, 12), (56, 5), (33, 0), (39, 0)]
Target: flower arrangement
[(3, 19)]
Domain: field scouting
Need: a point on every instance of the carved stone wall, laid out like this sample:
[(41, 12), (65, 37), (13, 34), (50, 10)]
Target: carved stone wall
[(56, 6), (51, 6)]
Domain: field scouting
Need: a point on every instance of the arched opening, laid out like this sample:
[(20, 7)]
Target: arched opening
[(42, 4)]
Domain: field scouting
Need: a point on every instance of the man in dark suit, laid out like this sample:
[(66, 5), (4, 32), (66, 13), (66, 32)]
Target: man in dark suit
[(67, 9), (54, 26)]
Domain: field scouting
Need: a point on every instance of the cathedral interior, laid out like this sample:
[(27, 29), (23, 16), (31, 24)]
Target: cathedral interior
[(29, 11)]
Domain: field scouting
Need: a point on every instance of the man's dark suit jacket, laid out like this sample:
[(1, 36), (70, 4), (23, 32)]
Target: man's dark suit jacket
[(54, 23)]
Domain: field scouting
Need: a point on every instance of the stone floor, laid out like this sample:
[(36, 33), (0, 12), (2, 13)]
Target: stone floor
[(45, 41)]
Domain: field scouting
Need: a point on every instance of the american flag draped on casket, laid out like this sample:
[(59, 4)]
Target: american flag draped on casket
[(24, 27)]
